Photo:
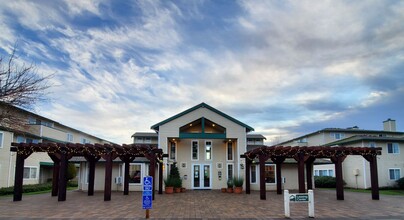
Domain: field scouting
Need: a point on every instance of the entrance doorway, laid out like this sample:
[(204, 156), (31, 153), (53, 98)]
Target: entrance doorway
[(201, 176)]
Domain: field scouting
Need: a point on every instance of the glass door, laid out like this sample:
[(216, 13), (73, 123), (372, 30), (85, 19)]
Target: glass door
[(201, 176)]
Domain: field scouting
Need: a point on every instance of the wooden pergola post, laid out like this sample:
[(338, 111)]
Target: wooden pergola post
[(278, 161), (55, 175), (152, 173), (19, 174), (309, 172), (108, 176), (300, 169), (337, 160), (262, 159), (374, 179), (62, 176), (127, 160), (92, 160), (161, 177), (247, 175)]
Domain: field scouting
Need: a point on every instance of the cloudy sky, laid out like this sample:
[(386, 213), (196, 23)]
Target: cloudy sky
[(283, 67)]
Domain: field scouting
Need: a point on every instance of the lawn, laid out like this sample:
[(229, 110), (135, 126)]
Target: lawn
[(394, 192)]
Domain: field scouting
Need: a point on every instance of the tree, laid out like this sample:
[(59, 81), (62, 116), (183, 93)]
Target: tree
[(71, 171), (20, 86)]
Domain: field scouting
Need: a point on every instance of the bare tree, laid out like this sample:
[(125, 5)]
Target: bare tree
[(20, 86)]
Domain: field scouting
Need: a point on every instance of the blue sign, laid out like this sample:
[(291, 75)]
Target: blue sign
[(147, 192)]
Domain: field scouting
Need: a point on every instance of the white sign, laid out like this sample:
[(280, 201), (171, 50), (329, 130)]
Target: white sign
[(302, 197)]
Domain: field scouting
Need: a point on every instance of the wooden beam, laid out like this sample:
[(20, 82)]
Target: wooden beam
[(374, 179), (91, 176), (19, 176), (300, 169), (309, 172), (278, 161), (337, 160), (108, 176), (161, 178), (152, 172)]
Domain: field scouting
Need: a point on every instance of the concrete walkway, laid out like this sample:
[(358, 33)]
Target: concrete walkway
[(201, 205)]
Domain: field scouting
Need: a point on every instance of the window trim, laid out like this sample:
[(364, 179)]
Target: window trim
[(142, 173), (227, 170), (392, 148), (70, 135), (211, 150), (175, 152), (2, 139), (197, 150), (256, 176), (147, 140), (36, 173), (399, 172), (227, 151), (274, 165)]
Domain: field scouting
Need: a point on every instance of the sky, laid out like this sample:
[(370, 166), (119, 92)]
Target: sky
[(285, 68)]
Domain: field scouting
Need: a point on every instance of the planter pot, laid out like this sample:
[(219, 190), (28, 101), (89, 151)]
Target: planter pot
[(169, 189), (183, 189), (177, 190), (230, 190), (238, 190), (224, 190)]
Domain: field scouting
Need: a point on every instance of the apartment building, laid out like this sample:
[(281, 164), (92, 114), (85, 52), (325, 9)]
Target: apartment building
[(28, 127), (355, 169)]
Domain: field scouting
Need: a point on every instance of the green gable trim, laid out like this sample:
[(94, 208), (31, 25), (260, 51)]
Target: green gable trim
[(49, 164), (202, 105), (202, 136)]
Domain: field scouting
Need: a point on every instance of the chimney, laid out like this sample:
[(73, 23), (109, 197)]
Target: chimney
[(389, 125)]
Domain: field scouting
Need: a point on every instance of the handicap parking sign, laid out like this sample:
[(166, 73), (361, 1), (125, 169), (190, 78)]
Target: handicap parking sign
[(147, 196)]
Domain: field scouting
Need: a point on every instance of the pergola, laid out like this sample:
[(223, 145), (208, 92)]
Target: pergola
[(307, 155), (61, 153)]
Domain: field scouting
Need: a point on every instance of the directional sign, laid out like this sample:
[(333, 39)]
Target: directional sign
[(298, 197), (147, 197)]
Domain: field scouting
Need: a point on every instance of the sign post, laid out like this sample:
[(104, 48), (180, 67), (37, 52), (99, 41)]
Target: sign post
[(301, 197), (147, 199)]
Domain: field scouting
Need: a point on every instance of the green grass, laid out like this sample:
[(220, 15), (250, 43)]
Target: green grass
[(394, 192)]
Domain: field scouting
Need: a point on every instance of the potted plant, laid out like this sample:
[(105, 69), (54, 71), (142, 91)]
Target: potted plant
[(230, 185), (224, 190), (169, 183), (177, 185), (238, 185)]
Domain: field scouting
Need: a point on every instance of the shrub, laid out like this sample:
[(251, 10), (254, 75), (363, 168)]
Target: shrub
[(400, 183), (325, 182), (169, 182), (230, 183), (71, 171), (238, 182), (177, 183)]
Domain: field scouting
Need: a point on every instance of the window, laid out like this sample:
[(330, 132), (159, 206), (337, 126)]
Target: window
[(269, 173), (324, 172), (394, 174), (229, 151), (172, 150), (208, 150), (1, 139), (372, 144), (20, 139), (31, 121), (139, 140), (135, 173), (30, 172), (69, 137), (30, 140), (393, 148), (85, 141), (253, 174), (337, 136), (230, 171), (147, 140), (195, 150)]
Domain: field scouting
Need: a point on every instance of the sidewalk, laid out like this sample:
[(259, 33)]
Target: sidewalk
[(200, 204)]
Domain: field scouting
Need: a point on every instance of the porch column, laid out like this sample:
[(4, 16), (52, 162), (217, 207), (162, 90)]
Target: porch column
[(262, 159), (309, 172), (19, 174), (300, 167), (337, 160), (247, 175), (374, 179), (161, 164), (62, 176), (278, 161)]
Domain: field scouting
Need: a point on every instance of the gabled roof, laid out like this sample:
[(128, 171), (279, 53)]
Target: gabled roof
[(359, 138), (145, 134), (348, 130), (202, 105), (256, 136)]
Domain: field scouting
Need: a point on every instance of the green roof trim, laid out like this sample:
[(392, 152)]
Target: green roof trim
[(202, 136), (49, 164), (360, 138), (202, 105)]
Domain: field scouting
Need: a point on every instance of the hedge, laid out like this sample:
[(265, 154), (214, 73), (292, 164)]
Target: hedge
[(33, 188), (325, 182), (400, 183)]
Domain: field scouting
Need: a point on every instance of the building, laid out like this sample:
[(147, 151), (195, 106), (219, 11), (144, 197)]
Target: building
[(355, 171), (33, 128), (206, 145)]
